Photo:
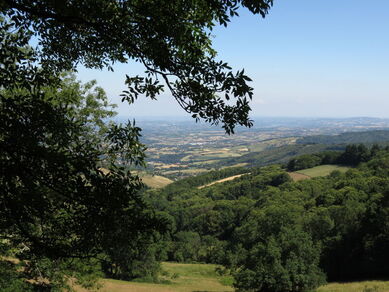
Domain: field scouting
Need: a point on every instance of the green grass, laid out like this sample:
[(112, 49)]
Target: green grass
[(191, 270), (203, 277), (155, 181), (368, 286), (322, 170), (211, 154), (180, 278)]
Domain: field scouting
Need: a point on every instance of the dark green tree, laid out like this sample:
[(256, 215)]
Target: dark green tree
[(277, 254), (59, 210), (172, 39), (58, 206)]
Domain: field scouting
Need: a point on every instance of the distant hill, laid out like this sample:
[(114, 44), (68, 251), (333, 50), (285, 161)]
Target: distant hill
[(366, 137), (278, 155), (309, 145), (264, 214)]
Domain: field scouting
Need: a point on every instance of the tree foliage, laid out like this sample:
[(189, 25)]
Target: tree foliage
[(59, 209), (171, 39), (352, 155), (66, 196), (273, 234)]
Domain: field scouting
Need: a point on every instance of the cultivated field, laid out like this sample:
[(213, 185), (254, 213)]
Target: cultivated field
[(199, 152), (155, 181), (213, 154), (152, 181)]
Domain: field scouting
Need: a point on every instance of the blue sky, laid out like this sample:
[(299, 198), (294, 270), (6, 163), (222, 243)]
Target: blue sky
[(307, 58)]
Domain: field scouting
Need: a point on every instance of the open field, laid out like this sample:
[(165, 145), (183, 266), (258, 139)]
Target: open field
[(235, 165), (206, 162), (222, 180), (298, 176), (207, 150), (181, 277), (208, 154), (263, 145), (368, 286), (322, 170), (192, 171), (202, 277), (155, 181)]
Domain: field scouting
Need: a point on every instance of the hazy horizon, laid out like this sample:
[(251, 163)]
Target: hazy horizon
[(306, 58), (256, 119)]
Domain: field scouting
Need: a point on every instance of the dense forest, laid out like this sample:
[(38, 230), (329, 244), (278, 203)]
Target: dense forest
[(273, 234), (278, 155), (309, 145), (72, 211), (366, 137)]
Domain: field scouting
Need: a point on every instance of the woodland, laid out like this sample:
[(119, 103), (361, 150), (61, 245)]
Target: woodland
[(72, 211)]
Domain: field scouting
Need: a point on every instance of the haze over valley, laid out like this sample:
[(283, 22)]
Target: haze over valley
[(179, 148), (194, 145)]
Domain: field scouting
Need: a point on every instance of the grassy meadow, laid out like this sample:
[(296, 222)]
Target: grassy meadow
[(176, 278), (367, 286), (152, 181), (322, 170), (155, 181), (202, 277), (202, 155), (298, 176)]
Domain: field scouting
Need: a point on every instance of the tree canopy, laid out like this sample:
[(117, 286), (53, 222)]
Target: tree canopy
[(273, 234), (59, 209), (172, 39), (67, 195)]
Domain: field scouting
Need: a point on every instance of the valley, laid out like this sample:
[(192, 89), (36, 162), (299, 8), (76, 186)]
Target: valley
[(179, 149)]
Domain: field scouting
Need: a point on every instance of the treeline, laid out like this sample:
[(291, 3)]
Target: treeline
[(273, 234), (278, 155), (309, 145), (203, 179), (366, 137), (352, 155)]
